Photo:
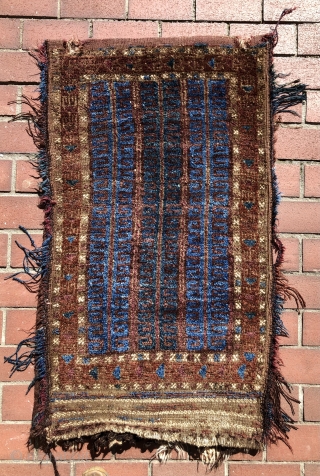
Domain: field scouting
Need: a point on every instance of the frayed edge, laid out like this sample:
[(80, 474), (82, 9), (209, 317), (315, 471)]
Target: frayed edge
[(277, 423), (36, 259)]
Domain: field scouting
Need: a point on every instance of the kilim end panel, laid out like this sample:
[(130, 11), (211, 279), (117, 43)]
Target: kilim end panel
[(159, 301)]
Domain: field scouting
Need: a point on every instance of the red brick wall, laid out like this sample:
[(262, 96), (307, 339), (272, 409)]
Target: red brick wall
[(24, 24)]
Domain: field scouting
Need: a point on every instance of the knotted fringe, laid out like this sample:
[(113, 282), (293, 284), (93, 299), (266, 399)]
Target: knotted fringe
[(36, 262), (36, 259), (277, 423)]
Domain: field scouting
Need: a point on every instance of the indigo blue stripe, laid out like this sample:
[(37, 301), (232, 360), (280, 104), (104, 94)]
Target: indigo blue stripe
[(150, 127), (196, 110), (172, 165), (123, 217), (218, 266), (101, 164)]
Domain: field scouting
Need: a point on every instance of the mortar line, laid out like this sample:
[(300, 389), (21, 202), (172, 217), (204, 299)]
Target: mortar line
[(194, 10), (59, 9), (4, 325), (126, 15), (90, 29), (301, 406), (301, 469), (159, 28), (21, 28)]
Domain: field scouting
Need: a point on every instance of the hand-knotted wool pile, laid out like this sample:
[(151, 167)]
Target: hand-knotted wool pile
[(159, 303)]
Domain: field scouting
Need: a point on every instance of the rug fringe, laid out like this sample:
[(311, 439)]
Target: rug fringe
[(277, 423)]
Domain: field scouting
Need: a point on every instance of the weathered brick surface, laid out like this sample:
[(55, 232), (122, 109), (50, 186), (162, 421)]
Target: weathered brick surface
[(15, 211), (298, 143), (164, 10), (290, 321), (11, 410), (309, 39), (288, 176), (311, 404), (264, 470), (308, 11), (115, 469), (312, 181), (13, 294), (311, 328), (304, 68), (13, 137), (313, 106), (19, 323), (8, 93), (301, 365), (35, 32), (32, 469), (26, 177), (303, 446), (193, 29), (124, 29), (92, 9), (299, 217), (238, 10), (5, 175), (18, 67), (3, 250), (9, 33), (311, 255), (311, 469)]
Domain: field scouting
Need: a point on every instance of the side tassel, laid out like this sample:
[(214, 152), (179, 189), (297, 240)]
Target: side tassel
[(35, 263), (35, 357)]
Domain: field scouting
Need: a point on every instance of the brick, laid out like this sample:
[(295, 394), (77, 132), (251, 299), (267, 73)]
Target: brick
[(15, 211), (299, 217), (287, 35), (9, 33), (291, 255), (14, 438), (16, 405), (308, 11), (164, 10), (311, 403), (25, 177), (36, 31), (193, 29), (14, 138), (8, 93), (3, 250), (246, 457), (304, 444), (290, 321), (17, 254), (183, 468), (135, 453), (301, 365), (313, 106), (5, 175), (288, 117), (311, 328), (30, 92), (289, 179), (125, 29), (305, 69), (312, 469), (13, 294), (32, 469), (264, 470), (115, 469), (19, 322), (309, 287), (93, 9), (309, 39), (297, 143), (36, 8), (312, 181), (238, 10), (18, 66), (311, 255)]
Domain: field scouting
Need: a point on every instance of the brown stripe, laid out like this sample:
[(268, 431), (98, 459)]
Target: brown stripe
[(133, 296), (160, 227)]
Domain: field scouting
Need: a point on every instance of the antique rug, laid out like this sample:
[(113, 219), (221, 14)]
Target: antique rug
[(159, 301)]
